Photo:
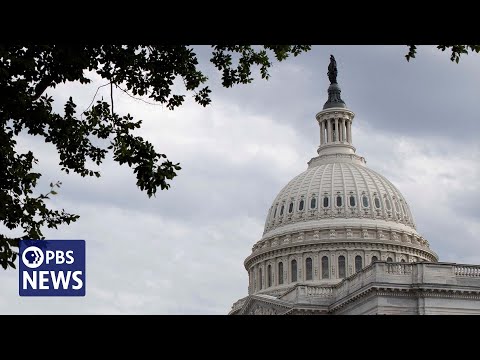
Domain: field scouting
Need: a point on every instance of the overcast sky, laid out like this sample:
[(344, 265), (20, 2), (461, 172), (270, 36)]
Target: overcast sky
[(183, 251)]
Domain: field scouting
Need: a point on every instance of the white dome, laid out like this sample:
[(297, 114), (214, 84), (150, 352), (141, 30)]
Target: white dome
[(333, 219), (338, 190)]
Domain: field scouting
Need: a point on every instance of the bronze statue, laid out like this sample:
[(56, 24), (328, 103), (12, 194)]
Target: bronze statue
[(332, 70)]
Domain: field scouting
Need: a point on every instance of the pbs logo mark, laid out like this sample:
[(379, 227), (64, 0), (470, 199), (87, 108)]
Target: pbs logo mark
[(32, 257), (52, 268)]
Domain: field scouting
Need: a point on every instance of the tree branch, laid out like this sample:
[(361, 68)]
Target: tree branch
[(41, 87), (111, 95)]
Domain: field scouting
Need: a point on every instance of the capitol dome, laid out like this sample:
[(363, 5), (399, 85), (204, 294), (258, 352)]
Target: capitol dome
[(331, 192), (335, 218)]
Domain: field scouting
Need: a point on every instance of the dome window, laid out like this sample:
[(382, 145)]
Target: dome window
[(325, 267), (290, 208), (309, 269), (352, 201), (301, 205), (281, 210), (341, 266), (326, 201), (377, 202), (358, 263), (387, 203), (260, 278), (275, 213), (365, 201), (269, 275), (280, 273), (339, 201), (294, 270), (313, 203)]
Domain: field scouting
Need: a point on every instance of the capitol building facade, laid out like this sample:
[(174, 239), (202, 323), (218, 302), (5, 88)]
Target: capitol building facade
[(340, 238)]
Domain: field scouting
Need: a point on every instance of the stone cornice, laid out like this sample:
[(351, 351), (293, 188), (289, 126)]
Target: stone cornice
[(334, 222), (342, 113), (336, 158), (339, 244)]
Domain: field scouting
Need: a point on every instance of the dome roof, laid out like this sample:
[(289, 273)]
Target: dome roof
[(343, 190), (335, 218)]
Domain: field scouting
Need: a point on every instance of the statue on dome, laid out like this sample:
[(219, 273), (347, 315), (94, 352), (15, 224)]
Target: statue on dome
[(332, 70)]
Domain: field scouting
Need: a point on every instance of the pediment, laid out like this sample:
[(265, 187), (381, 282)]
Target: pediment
[(256, 305)]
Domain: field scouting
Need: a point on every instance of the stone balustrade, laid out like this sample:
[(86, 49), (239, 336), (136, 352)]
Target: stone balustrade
[(398, 268), (319, 291), (467, 270), (386, 272)]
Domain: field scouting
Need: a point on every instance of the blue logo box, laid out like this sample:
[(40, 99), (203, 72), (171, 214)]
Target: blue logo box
[(52, 268)]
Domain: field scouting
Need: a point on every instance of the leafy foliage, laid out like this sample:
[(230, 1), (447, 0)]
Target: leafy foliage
[(457, 51), (26, 72)]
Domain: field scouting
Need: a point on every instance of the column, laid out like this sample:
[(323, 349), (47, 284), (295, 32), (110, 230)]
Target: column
[(349, 131), (329, 130), (342, 130), (322, 132), (336, 129)]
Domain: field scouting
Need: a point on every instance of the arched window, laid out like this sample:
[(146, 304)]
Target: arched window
[(260, 278), (308, 269), (352, 201), (403, 260), (374, 258), (325, 267), (388, 205), (313, 203), (290, 207), (301, 205), (358, 263), (377, 203), (269, 275), (280, 273), (281, 210), (252, 280), (389, 259), (326, 201), (294, 270), (341, 266), (275, 213), (365, 200), (339, 201)]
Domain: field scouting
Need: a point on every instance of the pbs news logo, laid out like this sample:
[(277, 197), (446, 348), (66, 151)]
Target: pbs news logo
[(52, 268)]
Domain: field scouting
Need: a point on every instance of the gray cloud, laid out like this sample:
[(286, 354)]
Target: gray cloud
[(183, 251)]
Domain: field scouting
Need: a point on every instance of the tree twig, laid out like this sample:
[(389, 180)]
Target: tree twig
[(136, 98), (111, 95), (94, 96)]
